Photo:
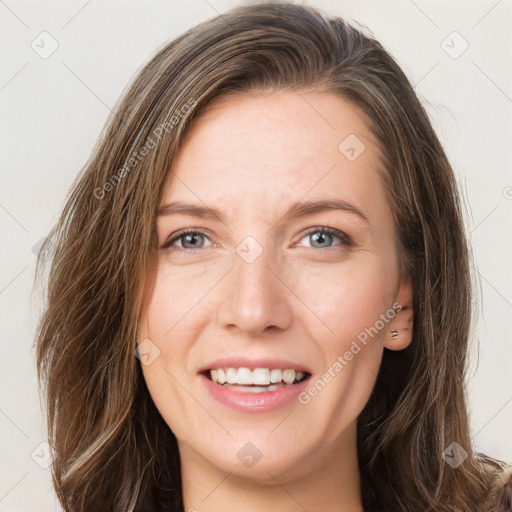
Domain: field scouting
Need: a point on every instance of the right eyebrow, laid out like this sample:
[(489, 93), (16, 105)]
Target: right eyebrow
[(191, 209)]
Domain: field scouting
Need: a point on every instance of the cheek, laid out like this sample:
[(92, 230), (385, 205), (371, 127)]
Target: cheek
[(171, 322), (346, 299), (176, 307), (354, 304)]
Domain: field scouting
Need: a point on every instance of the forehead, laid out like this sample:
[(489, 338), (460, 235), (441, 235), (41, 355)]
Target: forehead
[(262, 150)]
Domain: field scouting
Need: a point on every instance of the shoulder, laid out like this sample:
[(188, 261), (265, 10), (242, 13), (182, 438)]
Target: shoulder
[(499, 476)]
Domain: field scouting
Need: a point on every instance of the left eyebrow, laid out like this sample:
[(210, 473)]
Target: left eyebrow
[(294, 211), (305, 208)]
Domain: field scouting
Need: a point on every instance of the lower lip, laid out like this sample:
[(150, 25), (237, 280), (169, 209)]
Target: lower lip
[(254, 402)]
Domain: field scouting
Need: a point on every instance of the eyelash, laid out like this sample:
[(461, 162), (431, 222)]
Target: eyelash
[(180, 234), (324, 230)]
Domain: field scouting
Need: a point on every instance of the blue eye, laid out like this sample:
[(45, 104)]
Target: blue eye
[(324, 236), (190, 240), (320, 238)]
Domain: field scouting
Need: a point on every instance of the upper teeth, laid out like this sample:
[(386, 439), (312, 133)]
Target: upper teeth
[(258, 376)]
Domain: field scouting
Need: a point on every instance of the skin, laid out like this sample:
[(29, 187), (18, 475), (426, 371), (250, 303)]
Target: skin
[(303, 298)]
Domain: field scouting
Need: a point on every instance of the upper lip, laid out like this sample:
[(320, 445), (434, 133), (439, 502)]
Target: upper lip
[(243, 362)]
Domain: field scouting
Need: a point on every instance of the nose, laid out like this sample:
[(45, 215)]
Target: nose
[(254, 299)]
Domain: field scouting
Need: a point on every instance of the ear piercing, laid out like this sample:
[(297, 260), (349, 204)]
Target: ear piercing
[(394, 333)]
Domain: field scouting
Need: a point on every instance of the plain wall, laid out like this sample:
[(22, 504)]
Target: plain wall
[(53, 109)]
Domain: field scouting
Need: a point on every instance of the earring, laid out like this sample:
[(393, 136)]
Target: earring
[(394, 333)]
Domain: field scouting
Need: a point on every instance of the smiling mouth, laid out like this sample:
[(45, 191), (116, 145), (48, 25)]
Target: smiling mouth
[(259, 380)]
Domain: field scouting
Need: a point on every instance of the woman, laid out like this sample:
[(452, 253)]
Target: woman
[(270, 224)]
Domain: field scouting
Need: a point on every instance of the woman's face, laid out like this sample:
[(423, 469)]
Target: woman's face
[(291, 270)]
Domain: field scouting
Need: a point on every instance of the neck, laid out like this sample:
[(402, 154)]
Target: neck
[(328, 481)]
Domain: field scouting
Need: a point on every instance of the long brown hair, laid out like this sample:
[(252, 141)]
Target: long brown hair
[(112, 450)]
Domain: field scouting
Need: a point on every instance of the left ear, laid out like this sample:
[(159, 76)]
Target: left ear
[(398, 333)]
